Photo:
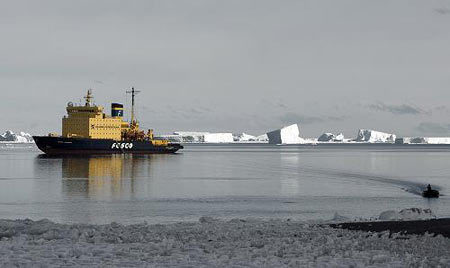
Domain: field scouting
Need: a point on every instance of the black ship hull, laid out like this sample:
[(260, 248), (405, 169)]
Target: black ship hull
[(64, 146)]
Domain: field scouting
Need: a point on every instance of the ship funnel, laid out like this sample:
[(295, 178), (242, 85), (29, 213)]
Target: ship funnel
[(116, 110)]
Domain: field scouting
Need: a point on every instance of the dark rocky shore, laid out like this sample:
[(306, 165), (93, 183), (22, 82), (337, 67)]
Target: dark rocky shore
[(434, 226)]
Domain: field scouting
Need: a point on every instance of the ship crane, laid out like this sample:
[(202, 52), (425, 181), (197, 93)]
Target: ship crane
[(133, 93)]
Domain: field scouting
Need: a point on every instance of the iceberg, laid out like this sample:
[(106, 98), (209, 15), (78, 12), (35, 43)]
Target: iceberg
[(11, 137), (286, 135), (372, 136)]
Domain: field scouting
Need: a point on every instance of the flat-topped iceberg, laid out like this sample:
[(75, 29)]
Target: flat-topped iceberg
[(372, 136), (11, 137)]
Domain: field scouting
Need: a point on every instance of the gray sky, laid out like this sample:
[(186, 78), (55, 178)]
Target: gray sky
[(240, 66)]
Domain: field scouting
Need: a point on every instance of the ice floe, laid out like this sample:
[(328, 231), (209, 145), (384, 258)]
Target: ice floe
[(212, 243)]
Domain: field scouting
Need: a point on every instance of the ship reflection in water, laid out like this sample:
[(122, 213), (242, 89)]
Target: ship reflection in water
[(104, 188), (103, 177), (96, 176)]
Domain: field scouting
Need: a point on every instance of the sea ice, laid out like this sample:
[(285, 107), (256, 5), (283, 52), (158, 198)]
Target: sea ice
[(212, 243)]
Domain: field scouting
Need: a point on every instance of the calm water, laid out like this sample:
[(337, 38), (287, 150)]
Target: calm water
[(300, 182)]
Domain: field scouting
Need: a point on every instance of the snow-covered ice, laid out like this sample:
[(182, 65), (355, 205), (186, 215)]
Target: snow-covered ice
[(212, 243), (372, 136), (11, 137), (409, 214)]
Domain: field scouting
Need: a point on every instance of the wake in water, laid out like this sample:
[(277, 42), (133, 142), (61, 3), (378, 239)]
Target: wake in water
[(408, 186)]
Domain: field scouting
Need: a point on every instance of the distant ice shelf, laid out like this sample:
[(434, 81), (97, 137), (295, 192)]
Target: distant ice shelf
[(284, 136), (198, 137), (11, 137), (211, 137), (423, 140)]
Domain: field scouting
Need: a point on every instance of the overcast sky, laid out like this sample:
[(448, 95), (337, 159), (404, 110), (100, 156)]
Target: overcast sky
[(235, 66)]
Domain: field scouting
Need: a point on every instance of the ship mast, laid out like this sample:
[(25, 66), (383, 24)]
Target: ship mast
[(88, 97), (133, 94)]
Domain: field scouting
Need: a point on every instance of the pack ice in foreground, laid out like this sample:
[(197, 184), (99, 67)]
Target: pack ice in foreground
[(213, 243)]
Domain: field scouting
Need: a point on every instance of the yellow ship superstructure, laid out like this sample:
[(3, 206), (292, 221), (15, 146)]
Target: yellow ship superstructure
[(90, 121)]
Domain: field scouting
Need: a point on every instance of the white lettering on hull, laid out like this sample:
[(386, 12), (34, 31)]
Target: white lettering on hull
[(122, 145)]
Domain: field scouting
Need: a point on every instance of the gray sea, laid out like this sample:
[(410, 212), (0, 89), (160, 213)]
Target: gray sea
[(223, 181)]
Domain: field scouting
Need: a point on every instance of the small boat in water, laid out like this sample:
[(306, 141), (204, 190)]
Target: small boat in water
[(430, 193)]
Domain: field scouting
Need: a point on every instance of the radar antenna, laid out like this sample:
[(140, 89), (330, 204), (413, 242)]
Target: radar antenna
[(133, 94)]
